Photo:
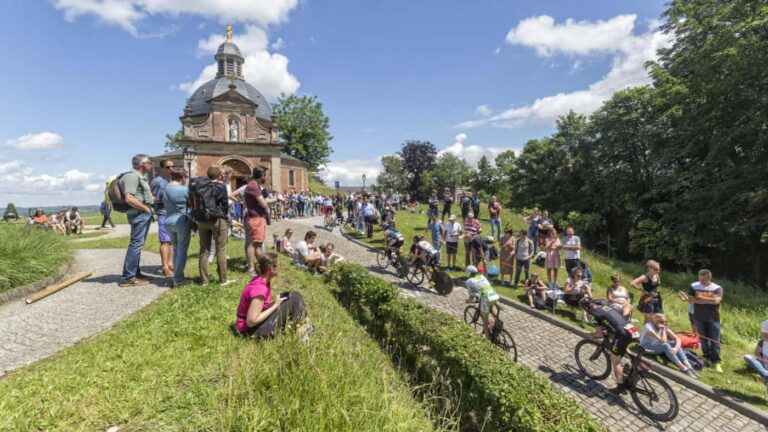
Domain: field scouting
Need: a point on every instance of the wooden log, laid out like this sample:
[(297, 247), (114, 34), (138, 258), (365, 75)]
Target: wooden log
[(58, 287)]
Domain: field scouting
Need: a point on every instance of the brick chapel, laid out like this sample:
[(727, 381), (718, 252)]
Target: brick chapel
[(229, 122)]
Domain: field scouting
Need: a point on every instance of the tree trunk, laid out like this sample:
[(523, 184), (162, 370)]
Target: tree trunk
[(757, 250)]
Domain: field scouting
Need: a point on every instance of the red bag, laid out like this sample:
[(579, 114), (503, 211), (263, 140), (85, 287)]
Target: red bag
[(688, 340)]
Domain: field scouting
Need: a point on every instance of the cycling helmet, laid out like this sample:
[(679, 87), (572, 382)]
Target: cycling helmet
[(418, 238), (585, 302), (472, 270), (490, 239)]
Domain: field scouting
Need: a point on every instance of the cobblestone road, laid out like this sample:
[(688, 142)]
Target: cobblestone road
[(548, 350), (31, 332)]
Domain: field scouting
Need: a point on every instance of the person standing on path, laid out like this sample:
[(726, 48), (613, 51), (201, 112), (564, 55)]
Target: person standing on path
[(494, 212), (177, 222), (157, 186), (472, 229), (524, 250), (216, 229), (452, 235), (507, 256), (369, 216), (257, 211), (706, 296), (572, 248), (447, 203), (106, 211), (138, 195), (552, 262)]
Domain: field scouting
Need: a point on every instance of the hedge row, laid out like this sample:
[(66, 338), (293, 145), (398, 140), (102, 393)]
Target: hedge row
[(486, 388)]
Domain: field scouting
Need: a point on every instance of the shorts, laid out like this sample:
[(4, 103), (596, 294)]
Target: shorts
[(396, 244), (620, 342), (162, 234), (433, 260), (452, 248), (486, 305), (257, 229)]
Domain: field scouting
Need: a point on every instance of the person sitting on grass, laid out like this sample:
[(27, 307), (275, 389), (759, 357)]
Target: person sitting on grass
[(479, 286), (329, 256), (258, 316), (75, 223), (618, 296), (576, 285), (57, 222), (657, 338), (39, 219), (759, 362), (307, 254), (535, 286), (285, 243)]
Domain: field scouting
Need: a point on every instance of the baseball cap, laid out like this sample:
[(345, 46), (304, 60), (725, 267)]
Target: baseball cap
[(452, 217)]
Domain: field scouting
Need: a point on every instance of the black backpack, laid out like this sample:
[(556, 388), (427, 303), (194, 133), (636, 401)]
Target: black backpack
[(202, 200), (117, 195)]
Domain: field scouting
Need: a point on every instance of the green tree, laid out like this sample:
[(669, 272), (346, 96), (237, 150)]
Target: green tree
[(172, 142), (418, 157), (486, 177), (392, 176), (304, 129), (448, 172), (506, 163)]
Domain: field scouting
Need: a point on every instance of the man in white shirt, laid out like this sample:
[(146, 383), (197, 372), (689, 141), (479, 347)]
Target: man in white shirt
[(452, 236), (572, 247)]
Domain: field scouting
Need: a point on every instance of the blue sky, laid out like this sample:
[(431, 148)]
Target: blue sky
[(88, 83)]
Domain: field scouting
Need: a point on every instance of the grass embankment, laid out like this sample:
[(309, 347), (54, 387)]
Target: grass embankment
[(742, 311), (321, 188), (176, 366), (28, 254)]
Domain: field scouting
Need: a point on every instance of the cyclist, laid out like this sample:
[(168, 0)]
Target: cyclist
[(327, 206), (392, 238), (424, 251), (624, 333), (479, 286)]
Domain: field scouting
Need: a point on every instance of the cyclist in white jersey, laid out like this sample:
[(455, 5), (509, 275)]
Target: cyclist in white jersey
[(479, 286)]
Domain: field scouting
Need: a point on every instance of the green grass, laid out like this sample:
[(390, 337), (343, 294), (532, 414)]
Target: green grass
[(28, 254), (95, 218), (742, 311), (321, 189), (176, 366)]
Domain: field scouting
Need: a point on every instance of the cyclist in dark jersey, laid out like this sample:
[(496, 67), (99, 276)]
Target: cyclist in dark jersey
[(624, 333)]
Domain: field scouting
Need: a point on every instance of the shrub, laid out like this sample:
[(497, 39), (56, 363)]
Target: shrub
[(488, 389)]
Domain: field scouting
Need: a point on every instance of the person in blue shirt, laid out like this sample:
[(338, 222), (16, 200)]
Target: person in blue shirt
[(177, 222), (157, 187), (438, 236)]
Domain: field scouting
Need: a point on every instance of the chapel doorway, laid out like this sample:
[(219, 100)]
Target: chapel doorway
[(240, 173)]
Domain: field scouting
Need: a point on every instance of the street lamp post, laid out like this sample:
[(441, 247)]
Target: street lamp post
[(364, 183), (189, 156)]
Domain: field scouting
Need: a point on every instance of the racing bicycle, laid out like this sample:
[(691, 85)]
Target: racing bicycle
[(388, 257), (652, 395), (442, 281), (499, 336)]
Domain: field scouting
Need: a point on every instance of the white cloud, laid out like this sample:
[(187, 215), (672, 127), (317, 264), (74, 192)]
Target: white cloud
[(572, 37), (20, 183), (483, 110), (267, 72), (630, 52), (278, 45), (470, 153), (128, 13), (36, 141), (350, 172)]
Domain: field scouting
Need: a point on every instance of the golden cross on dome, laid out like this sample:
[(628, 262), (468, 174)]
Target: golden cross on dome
[(229, 32)]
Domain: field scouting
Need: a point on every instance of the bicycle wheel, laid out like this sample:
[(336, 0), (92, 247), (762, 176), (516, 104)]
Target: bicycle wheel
[(592, 359), (401, 266), (416, 275), (504, 341), (654, 397), (472, 317), (443, 282), (382, 260)]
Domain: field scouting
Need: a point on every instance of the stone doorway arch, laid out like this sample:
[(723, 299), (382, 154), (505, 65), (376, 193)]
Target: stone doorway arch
[(241, 169)]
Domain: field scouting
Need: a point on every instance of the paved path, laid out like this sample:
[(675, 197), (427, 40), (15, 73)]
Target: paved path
[(548, 350), (31, 332), (120, 230)]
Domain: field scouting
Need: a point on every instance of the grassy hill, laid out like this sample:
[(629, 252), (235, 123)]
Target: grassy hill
[(742, 311), (177, 366)]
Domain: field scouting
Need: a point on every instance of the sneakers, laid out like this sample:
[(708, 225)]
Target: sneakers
[(251, 272), (691, 373), (718, 368), (227, 283), (619, 389), (133, 282)]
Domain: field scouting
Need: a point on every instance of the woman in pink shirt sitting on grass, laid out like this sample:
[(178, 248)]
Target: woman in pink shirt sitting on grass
[(258, 316)]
